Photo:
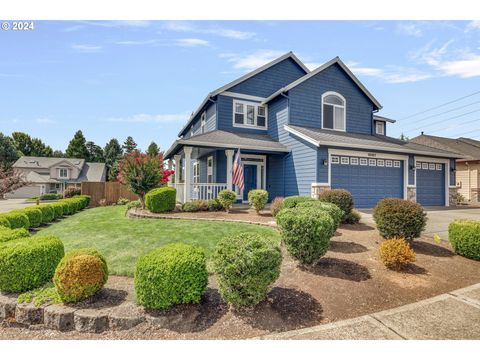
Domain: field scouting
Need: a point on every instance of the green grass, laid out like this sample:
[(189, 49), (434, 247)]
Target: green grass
[(42, 295), (122, 240)]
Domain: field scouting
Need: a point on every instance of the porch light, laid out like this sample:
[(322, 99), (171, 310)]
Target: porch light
[(412, 167), (325, 162)]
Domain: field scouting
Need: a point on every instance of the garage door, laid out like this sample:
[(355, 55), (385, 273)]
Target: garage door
[(430, 183), (369, 180), (24, 192)]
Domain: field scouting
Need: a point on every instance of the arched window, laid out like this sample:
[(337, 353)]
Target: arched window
[(333, 111)]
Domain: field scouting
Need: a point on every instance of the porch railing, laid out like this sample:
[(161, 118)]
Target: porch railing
[(206, 191)]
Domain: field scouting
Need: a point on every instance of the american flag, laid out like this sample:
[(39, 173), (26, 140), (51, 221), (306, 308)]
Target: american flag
[(238, 171)]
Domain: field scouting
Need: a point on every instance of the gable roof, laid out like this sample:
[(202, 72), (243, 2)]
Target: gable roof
[(41, 162), (468, 148), (324, 137), (247, 76), (383, 118), (335, 60)]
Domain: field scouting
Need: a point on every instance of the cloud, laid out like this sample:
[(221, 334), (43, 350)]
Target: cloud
[(86, 48), (409, 29), (192, 42), (392, 74), (138, 42), (149, 118), (467, 67), (45, 120), (73, 28), (118, 23), (251, 61), (472, 25), (182, 26)]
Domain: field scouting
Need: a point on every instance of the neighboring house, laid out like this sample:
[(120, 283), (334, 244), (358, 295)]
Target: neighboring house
[(51, 175), (301, 132), (468, 167)]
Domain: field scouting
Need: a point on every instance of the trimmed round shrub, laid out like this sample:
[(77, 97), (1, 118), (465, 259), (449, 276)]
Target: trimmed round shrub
[(258, 199), (353, 218), (399, 218), (227, 198), (161, 199), (214, 205), (340, 197), (277, 205), (34, 215), (4, 222), (48, 213), (292, 201), (173, 274), (71, 191), (464, 236), (57, 210), (306, 232), (66, 208), (17, 220), (80, 274), (333, 210), (246, 265), (84, 200), (7, 234), (395, 253), (26, 264)]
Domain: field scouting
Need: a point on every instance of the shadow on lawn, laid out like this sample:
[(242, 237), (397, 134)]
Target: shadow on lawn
[(347, 247), (339, 268), (414, 269), (285, 309)]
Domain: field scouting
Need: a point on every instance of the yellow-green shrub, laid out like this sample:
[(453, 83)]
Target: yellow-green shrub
[(395, 253)]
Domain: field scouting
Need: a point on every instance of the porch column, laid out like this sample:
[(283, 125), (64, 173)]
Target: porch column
[(229, 154), (170, 167), (178, 169), (188, 160)]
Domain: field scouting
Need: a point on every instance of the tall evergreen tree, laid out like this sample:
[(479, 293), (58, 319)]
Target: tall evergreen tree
[(8, 152), (153, 149), (95, 152), (129, 145), (404, 137), (77, 147), (112, 152), (23, 143), (40, 149), (58, 153)]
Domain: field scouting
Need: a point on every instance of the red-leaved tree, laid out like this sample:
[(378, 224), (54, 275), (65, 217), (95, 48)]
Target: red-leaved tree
[(141, 173), (10, 180)]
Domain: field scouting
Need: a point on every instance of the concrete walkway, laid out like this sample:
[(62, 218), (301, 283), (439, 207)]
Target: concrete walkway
[(455, 316), (12, 204)]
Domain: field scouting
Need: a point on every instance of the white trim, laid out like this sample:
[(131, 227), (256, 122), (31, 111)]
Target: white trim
[(256, 105), (301, 135), (383, 118), (242, 147), (242, 96), (259, 164), (320, 184), (203, 122), (60, 172), (382, 123), (344, 107), (444, 161), (335, 60)]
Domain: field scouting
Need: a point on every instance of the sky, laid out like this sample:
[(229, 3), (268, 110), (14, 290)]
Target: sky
[(144, 78)]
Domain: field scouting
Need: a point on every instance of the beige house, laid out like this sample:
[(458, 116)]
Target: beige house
[(53, 175), (468, 168)]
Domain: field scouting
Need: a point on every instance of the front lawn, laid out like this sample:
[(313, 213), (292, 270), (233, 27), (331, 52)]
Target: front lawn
[(122, 240)]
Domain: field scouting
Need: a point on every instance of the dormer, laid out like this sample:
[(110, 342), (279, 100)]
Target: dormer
[(380, 124)]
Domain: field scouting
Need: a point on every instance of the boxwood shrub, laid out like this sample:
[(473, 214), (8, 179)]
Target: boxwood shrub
[(173, 274), (161, 199), (7, 234), (80, 274), (214, 205), (246, 265), (399, 218), (48, 214), (292, 201), (333, 210), (67, 208), (258, 198), (464, 235), (25, 264), (17, 220), (34, 215), (395, 253), (227, 198), (4, 221), (57, 210), (340, 197), (306, 232)]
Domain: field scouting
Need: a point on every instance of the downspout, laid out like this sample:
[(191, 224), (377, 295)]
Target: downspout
[(289, 154), (469, 182)]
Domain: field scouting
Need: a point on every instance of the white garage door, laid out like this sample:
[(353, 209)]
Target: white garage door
[(24, 192)]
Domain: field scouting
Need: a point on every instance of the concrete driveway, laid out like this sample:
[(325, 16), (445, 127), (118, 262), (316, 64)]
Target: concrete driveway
[(438, 218), (12, 204)]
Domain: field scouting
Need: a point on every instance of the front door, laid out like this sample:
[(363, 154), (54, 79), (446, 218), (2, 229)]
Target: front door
[(250, 175)]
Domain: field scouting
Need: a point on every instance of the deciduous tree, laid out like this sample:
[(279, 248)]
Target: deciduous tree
[(10, 180), (8, 153)]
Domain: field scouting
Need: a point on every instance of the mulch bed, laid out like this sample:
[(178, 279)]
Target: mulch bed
[(348, 282)]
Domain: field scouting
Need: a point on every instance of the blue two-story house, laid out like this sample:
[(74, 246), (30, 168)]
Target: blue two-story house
[(301, 132)]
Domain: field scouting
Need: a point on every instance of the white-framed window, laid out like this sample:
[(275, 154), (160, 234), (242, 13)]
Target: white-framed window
[(249, 114), (431, 166), (418, 165), (380, 162), (354, 161), (335, 160), (333, 111), (196, 172), (203, 121), (210, 169), (425, 166), (58, 186), (396, 163), (344, 160), (388, 163), (363, 162), (63, 173), (380, 127), (372, 162), (439, 167)]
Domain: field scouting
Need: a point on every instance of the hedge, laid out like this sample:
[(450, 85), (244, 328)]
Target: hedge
[(34, 215), (333, 210), (57, 210), (48, 213), (67, 208), (7, 234), (173, 274), (292, 201), (277, 205), (80, 274), (17, 220), (340, 197), (399, 218), (25, 265), (246, 265), (4, 221), (306, 232), (464, 235), (161, 199)]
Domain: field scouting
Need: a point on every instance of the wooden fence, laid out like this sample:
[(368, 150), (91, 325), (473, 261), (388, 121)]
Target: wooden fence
[(110, 191)]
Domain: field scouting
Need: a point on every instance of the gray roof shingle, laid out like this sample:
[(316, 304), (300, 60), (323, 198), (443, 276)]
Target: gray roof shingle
[(468, 148), (45, 162)]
